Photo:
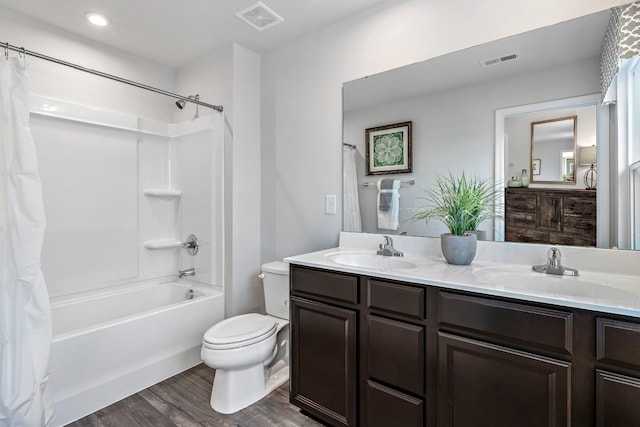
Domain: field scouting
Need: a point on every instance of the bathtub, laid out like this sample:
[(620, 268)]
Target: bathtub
[(110, 344)]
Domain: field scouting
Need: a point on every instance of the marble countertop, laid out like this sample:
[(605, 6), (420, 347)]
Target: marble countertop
[(593, 290)]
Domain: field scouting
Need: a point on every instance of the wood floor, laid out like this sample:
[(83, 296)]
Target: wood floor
[(183, 401)]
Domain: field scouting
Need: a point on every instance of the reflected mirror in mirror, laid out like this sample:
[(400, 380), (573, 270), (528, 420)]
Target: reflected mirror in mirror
[(453, 101), (553, 151)]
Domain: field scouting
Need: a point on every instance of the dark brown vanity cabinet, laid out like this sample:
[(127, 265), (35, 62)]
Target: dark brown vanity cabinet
[(377, 352), (618, 373), (394, 348), (324, 344), (490, 372)]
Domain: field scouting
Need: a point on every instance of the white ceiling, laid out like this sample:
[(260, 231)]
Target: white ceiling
[(173, 32)]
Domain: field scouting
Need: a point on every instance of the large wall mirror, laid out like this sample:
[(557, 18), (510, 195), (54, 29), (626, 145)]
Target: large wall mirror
[(453, 102)]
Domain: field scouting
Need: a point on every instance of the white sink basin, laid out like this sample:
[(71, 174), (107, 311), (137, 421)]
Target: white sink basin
[(584, 286), (370, 260)]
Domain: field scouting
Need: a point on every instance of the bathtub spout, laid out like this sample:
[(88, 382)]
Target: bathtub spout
[(187, 272)]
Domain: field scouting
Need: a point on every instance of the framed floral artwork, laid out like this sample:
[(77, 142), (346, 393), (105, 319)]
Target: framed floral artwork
[(388, 149)]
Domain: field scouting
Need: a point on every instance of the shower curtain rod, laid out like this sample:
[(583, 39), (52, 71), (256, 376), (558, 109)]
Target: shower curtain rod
[(23, 51)]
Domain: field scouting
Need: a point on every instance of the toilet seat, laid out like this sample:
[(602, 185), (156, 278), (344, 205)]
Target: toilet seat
[(239, 331)]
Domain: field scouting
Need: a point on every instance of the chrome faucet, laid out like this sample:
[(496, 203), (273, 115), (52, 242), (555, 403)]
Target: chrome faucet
[(387, 248), (553, 265), (187, 272), (553, 259)]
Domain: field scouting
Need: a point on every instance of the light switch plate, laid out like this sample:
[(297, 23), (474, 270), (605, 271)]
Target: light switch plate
[(330, 204)]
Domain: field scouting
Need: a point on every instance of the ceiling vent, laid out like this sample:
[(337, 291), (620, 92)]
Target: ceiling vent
[(500, 59), (260, 16)]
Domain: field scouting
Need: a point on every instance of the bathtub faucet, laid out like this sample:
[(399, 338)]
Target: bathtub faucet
[(187, 272)]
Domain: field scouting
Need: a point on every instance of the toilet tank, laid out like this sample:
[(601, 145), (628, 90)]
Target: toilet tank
[(276, 288)]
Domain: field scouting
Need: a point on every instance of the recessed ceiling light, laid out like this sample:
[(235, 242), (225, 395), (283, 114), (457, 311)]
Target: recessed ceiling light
[(98, 19)]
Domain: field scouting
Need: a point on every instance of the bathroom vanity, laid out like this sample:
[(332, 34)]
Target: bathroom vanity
[(423, 343)]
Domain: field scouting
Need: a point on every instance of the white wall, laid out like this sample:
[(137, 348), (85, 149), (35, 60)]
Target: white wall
[(231, 77), (246, 295), (302, 100)]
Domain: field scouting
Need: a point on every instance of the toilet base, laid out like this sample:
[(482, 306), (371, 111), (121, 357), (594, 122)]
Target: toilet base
[(236, 390)]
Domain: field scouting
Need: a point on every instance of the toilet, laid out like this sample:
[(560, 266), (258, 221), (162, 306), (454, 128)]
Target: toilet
[(250, 352)]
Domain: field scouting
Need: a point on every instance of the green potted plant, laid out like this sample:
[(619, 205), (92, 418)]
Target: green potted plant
[(460, 203)]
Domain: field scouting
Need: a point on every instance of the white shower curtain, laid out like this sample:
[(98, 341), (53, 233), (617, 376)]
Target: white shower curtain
[(25, 315), (351, 218)]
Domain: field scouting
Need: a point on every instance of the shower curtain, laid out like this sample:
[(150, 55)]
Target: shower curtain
[(351, 211), (25, 317)]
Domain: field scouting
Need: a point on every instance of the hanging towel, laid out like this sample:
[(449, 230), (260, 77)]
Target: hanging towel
[(388, 205)]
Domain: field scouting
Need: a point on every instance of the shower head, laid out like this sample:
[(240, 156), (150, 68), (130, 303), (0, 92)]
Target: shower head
[(182, 102)]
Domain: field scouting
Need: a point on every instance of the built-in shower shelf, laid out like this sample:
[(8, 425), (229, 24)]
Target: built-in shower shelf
[(162, 244), (162, 192)]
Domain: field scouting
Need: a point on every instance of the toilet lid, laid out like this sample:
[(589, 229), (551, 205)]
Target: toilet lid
[(239, 331)]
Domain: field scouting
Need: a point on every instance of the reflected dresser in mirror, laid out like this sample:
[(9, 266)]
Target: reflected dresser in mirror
[(549, 215)]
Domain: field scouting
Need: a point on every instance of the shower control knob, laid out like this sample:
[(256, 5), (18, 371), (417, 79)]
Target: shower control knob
[(191, 245)]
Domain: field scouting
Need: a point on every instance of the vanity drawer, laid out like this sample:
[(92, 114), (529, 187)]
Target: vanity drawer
[(395, 298), (531, 326), (521, 201), (581, 207), (334, 286), (618, 342), (579, 225), (396, 353), (526, 235), (571, 239), (521, 219)]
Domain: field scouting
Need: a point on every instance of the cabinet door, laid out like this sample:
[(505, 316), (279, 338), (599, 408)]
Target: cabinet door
[(485, 385), (323, 361), (395, 353), (549, 212), (617, 400), (388, 407)]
